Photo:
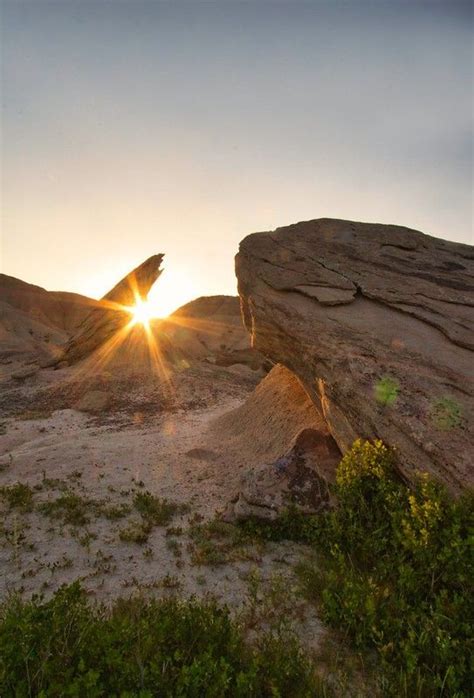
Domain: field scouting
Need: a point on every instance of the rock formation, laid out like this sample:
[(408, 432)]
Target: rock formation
[(35, 323), (377, 323), (282, 443), (106, 321), (54, 309)]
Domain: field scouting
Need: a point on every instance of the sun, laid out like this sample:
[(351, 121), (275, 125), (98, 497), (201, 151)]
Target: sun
[(142, 312), (174, 289)]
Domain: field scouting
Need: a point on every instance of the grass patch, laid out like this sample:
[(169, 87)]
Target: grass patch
[(136, 532), (69, 508), (53, 483), (113, 512), (394, 572), (216, 543), (155, 510), (166, 647), (18, 496)]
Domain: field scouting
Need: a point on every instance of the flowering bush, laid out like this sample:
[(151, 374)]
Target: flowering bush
[(394, 571), (399, 573)]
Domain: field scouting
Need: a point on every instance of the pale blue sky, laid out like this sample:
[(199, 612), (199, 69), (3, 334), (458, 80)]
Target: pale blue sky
[(131, 128)]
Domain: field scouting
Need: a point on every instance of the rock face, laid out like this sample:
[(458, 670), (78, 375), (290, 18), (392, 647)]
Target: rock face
[(296, 478), (105, 322), (283, 446), (377, 323)]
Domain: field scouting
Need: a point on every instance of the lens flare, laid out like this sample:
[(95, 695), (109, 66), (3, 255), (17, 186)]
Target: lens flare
[(142, 312)]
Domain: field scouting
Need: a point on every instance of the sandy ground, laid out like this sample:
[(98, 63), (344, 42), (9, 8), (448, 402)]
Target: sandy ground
[(144, 436)]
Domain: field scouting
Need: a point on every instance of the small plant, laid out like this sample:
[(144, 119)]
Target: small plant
[(86, 538), (15, 536), (35, 414), (206, 552), (63, 563), (174, 546), (103, 563), (386, 391), (136, 532), (446, 413), (174, 531), (270, 601), (53, 483), (18, 496), (156, 511), (115, 512), (69, 508), (216, 543), (170, 581)]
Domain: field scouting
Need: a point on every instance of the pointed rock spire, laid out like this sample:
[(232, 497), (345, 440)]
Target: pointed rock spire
[(111, 314)]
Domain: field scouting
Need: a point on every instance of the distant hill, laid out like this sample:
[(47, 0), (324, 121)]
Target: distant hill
[(208, 306), (211, 328), (58, 309), (35, 323)]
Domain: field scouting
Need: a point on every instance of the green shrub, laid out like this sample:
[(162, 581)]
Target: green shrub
[(70, 509), (141, 648), (135, 532), (292, 524), (18, 496), (156, 511), (394, 572), (446, 413), (114, 512)]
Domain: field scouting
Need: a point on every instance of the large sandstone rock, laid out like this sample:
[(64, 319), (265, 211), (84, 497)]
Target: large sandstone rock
[(105, 322), (377, 323)]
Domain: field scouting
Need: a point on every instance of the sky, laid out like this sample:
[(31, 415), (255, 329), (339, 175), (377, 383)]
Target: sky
[(130, 128)]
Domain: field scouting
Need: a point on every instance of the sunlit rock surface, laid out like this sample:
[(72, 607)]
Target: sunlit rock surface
[(377, 323), (210, 328)]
